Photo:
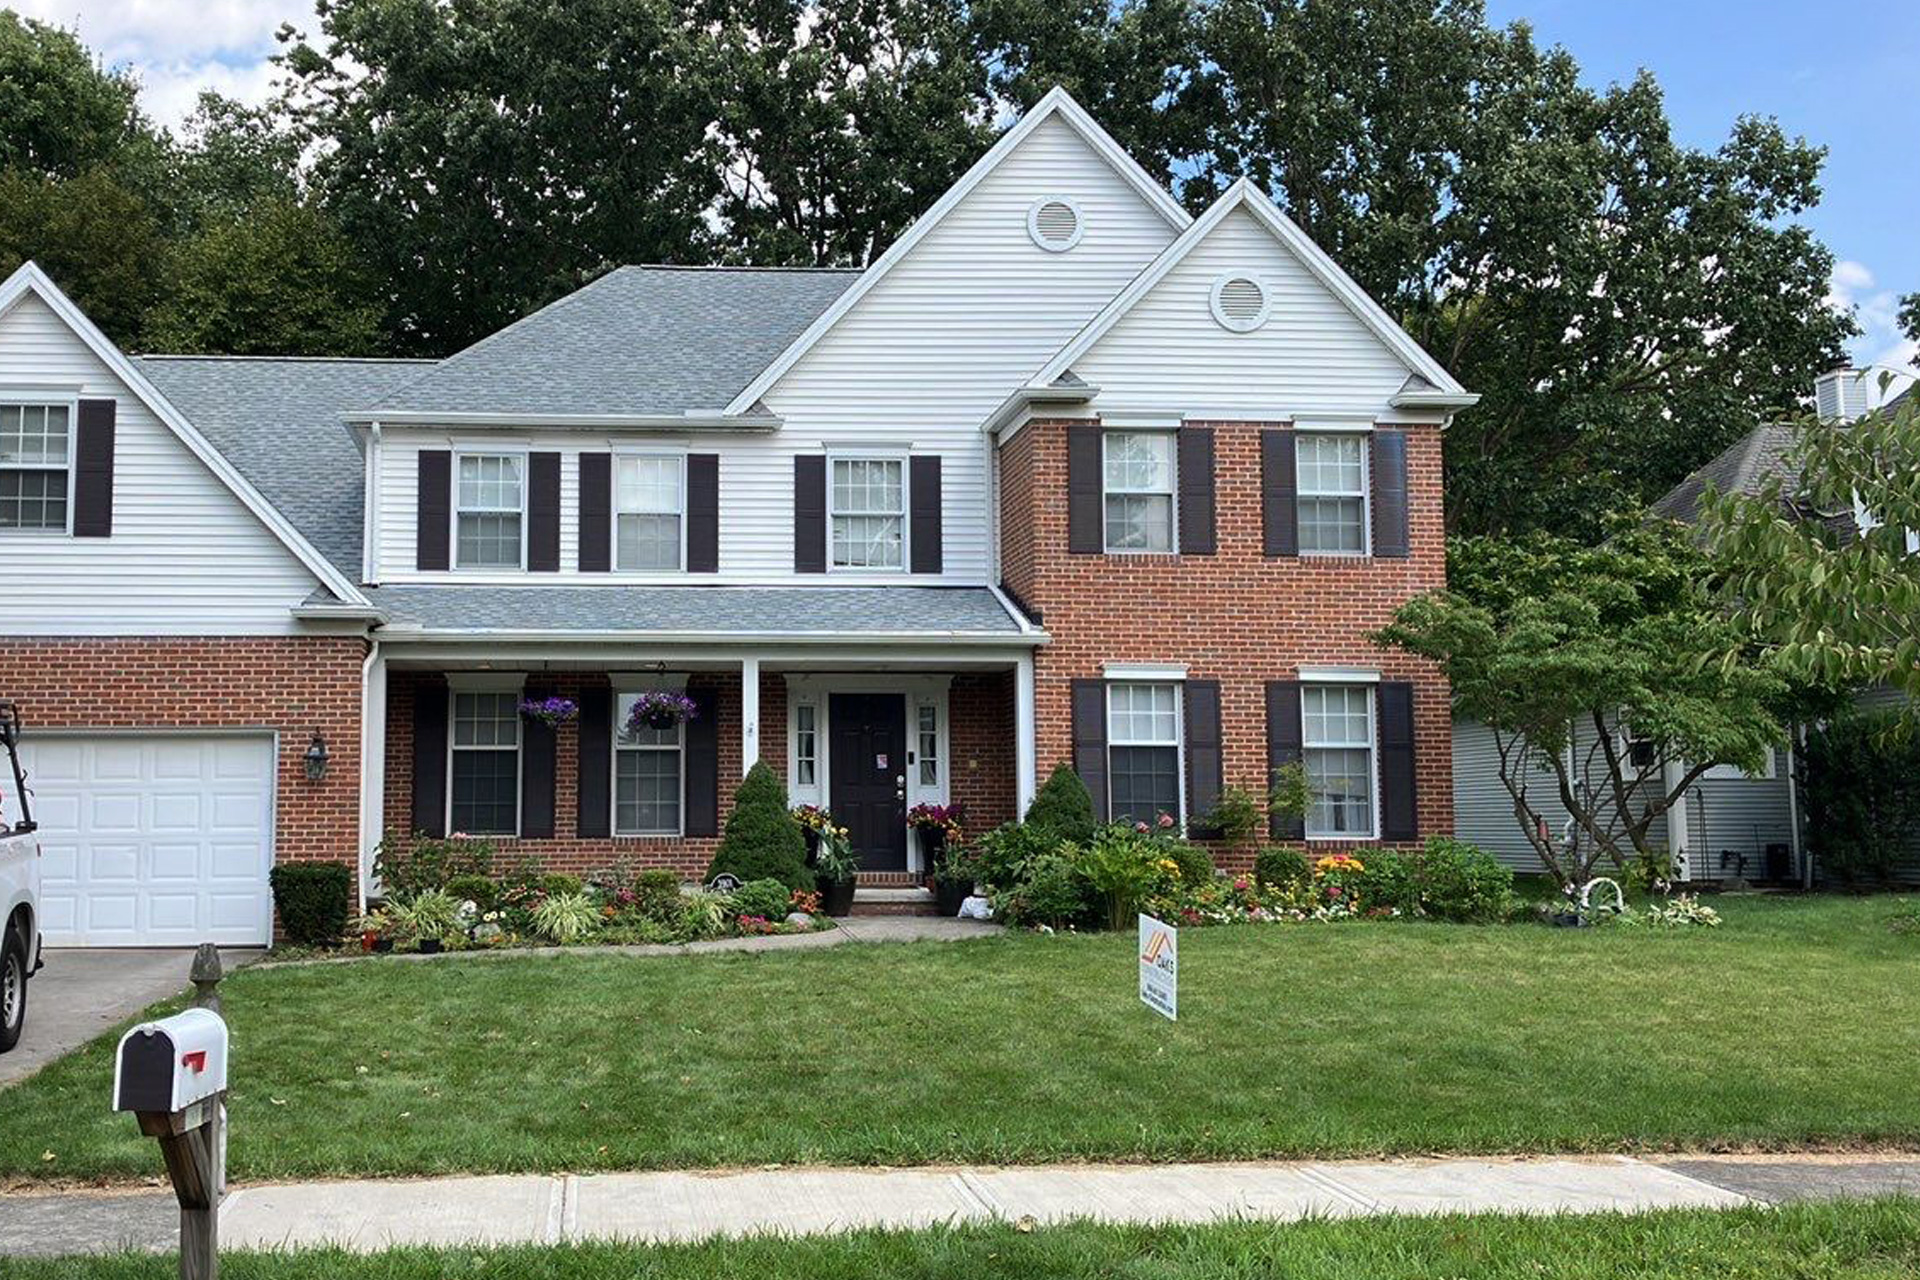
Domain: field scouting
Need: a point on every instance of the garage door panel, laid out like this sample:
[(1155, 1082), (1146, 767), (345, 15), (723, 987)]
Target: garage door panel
[(154, 839)]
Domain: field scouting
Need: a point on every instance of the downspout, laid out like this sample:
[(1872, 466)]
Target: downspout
[(369, 519), (1800, 857)]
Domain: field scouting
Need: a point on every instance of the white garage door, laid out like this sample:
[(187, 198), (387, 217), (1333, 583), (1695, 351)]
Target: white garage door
[(153, 840)]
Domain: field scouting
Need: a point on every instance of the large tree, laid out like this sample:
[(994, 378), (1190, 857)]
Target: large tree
[(61, 115)]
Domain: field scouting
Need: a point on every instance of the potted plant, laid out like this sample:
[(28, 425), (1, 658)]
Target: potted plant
[(813, 820), (834, 867), (552, 712), (953, 880), (376, 931), (661, 709), (939, 826)]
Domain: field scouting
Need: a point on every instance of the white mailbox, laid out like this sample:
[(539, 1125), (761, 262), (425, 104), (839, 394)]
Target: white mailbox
[(171, 1064)]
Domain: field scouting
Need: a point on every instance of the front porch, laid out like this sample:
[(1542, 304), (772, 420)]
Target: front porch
[(865, 736)]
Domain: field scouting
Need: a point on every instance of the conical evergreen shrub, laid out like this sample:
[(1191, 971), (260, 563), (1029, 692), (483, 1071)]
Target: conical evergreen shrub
[(1062, 808), (762, 841)]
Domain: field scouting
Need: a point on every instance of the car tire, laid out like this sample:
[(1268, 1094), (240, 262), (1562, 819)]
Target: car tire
[(13, 989)]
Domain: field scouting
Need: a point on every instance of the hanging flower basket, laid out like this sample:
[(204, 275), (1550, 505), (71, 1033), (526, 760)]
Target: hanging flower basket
[(552, 712), (661, 709)]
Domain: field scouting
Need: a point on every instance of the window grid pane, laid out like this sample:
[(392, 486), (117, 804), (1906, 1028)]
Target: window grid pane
[(1139, 522), (1337, 731), (1143, 714), (33, 500), (1143, 782), (869, 506), (867, 486), (1331, 482), (866, 542), (649, 541), (486, 792), (805, 745), (489, 482), (489, 541), (928, 731), (1139, 462), (34, 435), (647, 791), (1137, 473), (486, 719)]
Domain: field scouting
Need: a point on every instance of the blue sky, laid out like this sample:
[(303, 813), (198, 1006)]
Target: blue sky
[(1841, 73)]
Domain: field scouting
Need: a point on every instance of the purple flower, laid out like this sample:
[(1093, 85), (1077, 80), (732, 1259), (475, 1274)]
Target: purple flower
[(549, 711), (661, 709)]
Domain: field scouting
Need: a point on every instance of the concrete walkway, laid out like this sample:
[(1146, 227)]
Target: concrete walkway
[(652, 1207)]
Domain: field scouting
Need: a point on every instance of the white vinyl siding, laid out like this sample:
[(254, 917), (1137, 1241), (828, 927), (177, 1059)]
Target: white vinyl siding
[(649, 506), (1331, 478), (186, 556), (1338, 734), (1137, 487), (36, 466), (648, 776), (489, 520)]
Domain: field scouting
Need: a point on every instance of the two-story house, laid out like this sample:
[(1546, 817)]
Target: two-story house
[(1065, 475)]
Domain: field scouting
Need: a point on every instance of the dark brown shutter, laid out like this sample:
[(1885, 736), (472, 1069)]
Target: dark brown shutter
[(1084, 528), (430, 758), (1090, 740), (1390, 495), (1285, 746), (537, 754), (703, 765), (1196, 491), (593, 789), (1279, 505), (93, 470), (596, 512), (925, 532), (1202, 699), (703, 513), (433, 509), (1398, 814), (809, 513), (543, 512)]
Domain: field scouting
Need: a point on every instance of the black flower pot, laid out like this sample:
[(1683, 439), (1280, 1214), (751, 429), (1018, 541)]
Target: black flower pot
[(383, 945), (949, 894), (1568, 920), (836, 897), (813, 844), (933, 846), (661, 721), (429, 946)]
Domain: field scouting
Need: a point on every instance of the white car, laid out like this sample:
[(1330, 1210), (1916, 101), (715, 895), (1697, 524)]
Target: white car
[(19, 885)]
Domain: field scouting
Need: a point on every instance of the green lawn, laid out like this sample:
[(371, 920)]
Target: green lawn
[(1863, 1241), (1796, 1023)]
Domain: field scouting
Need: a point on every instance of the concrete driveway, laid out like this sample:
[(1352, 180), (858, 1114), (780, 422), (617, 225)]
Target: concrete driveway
[(81, 994)]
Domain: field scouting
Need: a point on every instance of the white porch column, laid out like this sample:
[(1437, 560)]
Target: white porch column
[(1677, 842), (373, 763), (1024, 751), (749, 713)]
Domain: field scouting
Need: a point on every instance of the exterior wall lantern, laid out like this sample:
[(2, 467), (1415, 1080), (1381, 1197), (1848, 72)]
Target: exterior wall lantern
[(316, 758)]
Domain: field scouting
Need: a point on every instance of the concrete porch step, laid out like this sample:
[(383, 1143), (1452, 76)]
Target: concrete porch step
[(893, 901)]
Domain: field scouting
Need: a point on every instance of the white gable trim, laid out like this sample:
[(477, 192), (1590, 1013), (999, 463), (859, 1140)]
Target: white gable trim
[(1245, 195), (30, 279), (1057, 102)]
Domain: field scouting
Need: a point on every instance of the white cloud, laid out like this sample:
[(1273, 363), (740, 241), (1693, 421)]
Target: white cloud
[(1853, 287), (179, 47)]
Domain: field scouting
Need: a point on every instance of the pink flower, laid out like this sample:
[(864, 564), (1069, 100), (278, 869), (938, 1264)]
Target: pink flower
[(1141, 827), (1241, 884), (1166, 821)]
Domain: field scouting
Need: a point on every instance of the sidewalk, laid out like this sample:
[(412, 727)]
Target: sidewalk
[(373, 1215)]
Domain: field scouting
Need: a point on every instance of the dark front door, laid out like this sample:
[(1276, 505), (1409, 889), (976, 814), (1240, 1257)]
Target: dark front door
[(867, 762)]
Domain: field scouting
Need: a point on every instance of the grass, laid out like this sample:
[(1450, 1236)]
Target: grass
[(1873, 1240), (1794, 1024)]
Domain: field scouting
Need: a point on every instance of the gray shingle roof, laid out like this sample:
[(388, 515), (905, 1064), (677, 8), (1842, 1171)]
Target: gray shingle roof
[(639, 340), (1745, 465), (278, 422), (930, 611)]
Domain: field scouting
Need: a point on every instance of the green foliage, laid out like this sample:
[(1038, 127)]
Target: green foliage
[(409, 865), (1062, 809), (1291, 795), (310, 897), (762, 840), (1004, 856), (481, 891), (657, 895), (566, 918), (1124, 867), (1387, 882), (97, 239), (1051, 892), (1195, 863), (834, 861), (1236, 817), (559, 883), (764, 898), (1280, 868), (62, 112), (430, 913), (1860, 781), (1459, 881)]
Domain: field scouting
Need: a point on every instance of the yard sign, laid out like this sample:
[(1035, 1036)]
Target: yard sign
[(1159, 968)]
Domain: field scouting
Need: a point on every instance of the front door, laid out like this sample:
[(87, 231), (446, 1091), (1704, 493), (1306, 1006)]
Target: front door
[(867, 763)]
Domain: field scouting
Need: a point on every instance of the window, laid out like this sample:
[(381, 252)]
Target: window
[(1337, 731), (1143, 751), (646, 776), (36, 449), (1138, 477), (647, 505), (927, 744), (869, 509), (485, 796), (1332, 488), (806, 745), (487, 511)]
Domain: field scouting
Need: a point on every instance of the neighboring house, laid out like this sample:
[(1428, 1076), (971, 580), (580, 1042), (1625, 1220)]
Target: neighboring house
[(1066, 475), (1729, 825)]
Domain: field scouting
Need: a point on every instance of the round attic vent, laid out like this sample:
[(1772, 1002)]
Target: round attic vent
[(1054, 223), (1239, 303)]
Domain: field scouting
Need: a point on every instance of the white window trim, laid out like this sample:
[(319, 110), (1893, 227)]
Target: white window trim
[(818, 688), (1144, 672), (1172, 490), (1179, 743), (900, 456), (1373, 767), (677, 455), (455, 509), (916, 753), (27, 397), (633, 682), (487, 682), (795, 706), (1339, 675), (1365, 495)]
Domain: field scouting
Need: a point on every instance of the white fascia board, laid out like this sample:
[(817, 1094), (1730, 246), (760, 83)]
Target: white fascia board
[(1019, 405), (692, 420), (1057, 102), (1243, 194), (906, 639), (1340, 675), (1442, 401), (339, 613), (28, 278)]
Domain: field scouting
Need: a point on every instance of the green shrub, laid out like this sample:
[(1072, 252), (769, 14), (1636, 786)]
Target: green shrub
[(764, 898), (557, 884), (1052, 893), (1278, 868), (1195, 863), (1387, 882), (1861, 776), (566, 918), (1459, 881), (481, 891), (409, 865), (657, 895), (762, 840), (1235, 820), (431, 913), (1124, 868), (1063, 808), (311, 898), (1004, 856)]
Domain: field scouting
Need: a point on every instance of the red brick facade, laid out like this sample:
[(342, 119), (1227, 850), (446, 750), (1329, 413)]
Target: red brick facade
[(1237, 616), (292, 685)]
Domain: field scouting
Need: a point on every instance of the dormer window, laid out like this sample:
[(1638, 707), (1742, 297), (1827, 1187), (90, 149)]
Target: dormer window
[(489, 505), (36, 454)]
